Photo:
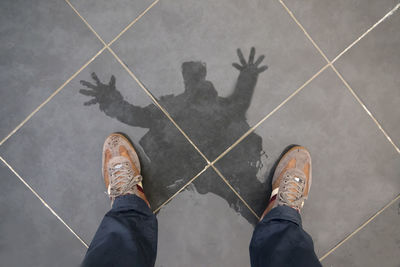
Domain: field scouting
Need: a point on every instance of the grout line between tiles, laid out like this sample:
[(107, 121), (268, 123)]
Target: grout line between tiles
[(359, 228), (269, 114), (198, 175), (133, 22), (87, 23), (234, 191), (51, 96), (303, 29), (330, 63), (391, 12), (182, 188), (366, 109), (43, 202)]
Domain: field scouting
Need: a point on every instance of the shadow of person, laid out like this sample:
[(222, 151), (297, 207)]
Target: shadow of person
[(214, 122)]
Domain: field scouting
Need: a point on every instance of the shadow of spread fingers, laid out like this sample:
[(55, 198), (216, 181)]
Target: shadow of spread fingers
[(88, 84), (241, 57), (91, 102), (252, 54), (259, 60), (87, 92), (237, 66), (262, 68), (95, 78)]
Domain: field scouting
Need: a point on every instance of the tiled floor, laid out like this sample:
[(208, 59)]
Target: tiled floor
[(207, 151)]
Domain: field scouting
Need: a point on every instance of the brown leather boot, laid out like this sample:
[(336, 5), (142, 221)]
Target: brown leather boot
[(292, 180), (121, 168)]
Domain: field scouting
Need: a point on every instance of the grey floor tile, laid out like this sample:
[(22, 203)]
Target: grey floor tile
[(198, 40), (30, 234), (42, 44), (334, 25), (59, 150), (353, 163), (372, 70), (378, 244), (199, 227), (109, 18)]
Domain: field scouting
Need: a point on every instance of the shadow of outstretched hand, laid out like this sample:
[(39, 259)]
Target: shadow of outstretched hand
[(102, 93), (250, 66)]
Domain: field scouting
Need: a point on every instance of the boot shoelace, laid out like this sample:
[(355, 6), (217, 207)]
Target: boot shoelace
[(122, 179), (292, 193)]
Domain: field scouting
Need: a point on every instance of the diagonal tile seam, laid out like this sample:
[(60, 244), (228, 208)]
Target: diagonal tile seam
[(234, 191), (198, 175), (51, 96), (390, 13), (133, 22), (252, 129), (360, 227), (120, 33), (330, 63), (181, 189), (366, 109), (43, 201)]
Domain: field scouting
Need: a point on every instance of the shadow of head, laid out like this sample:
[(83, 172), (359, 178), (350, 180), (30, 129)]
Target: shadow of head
[(194, 77), (194, 71)]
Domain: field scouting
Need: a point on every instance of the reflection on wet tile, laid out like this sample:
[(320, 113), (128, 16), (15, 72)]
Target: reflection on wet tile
[(352, 160), (30, 234), (372, 70), (59, 150), (199, 228), (334, 25), (42, 44), (109, 18), (183, 51), (378, 244)]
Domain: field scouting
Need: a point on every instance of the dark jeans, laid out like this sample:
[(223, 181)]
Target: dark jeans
[(279, 240), (127, 236)]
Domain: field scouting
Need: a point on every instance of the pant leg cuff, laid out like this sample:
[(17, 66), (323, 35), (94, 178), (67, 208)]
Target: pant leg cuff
[(283, 213), (131, 201)]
